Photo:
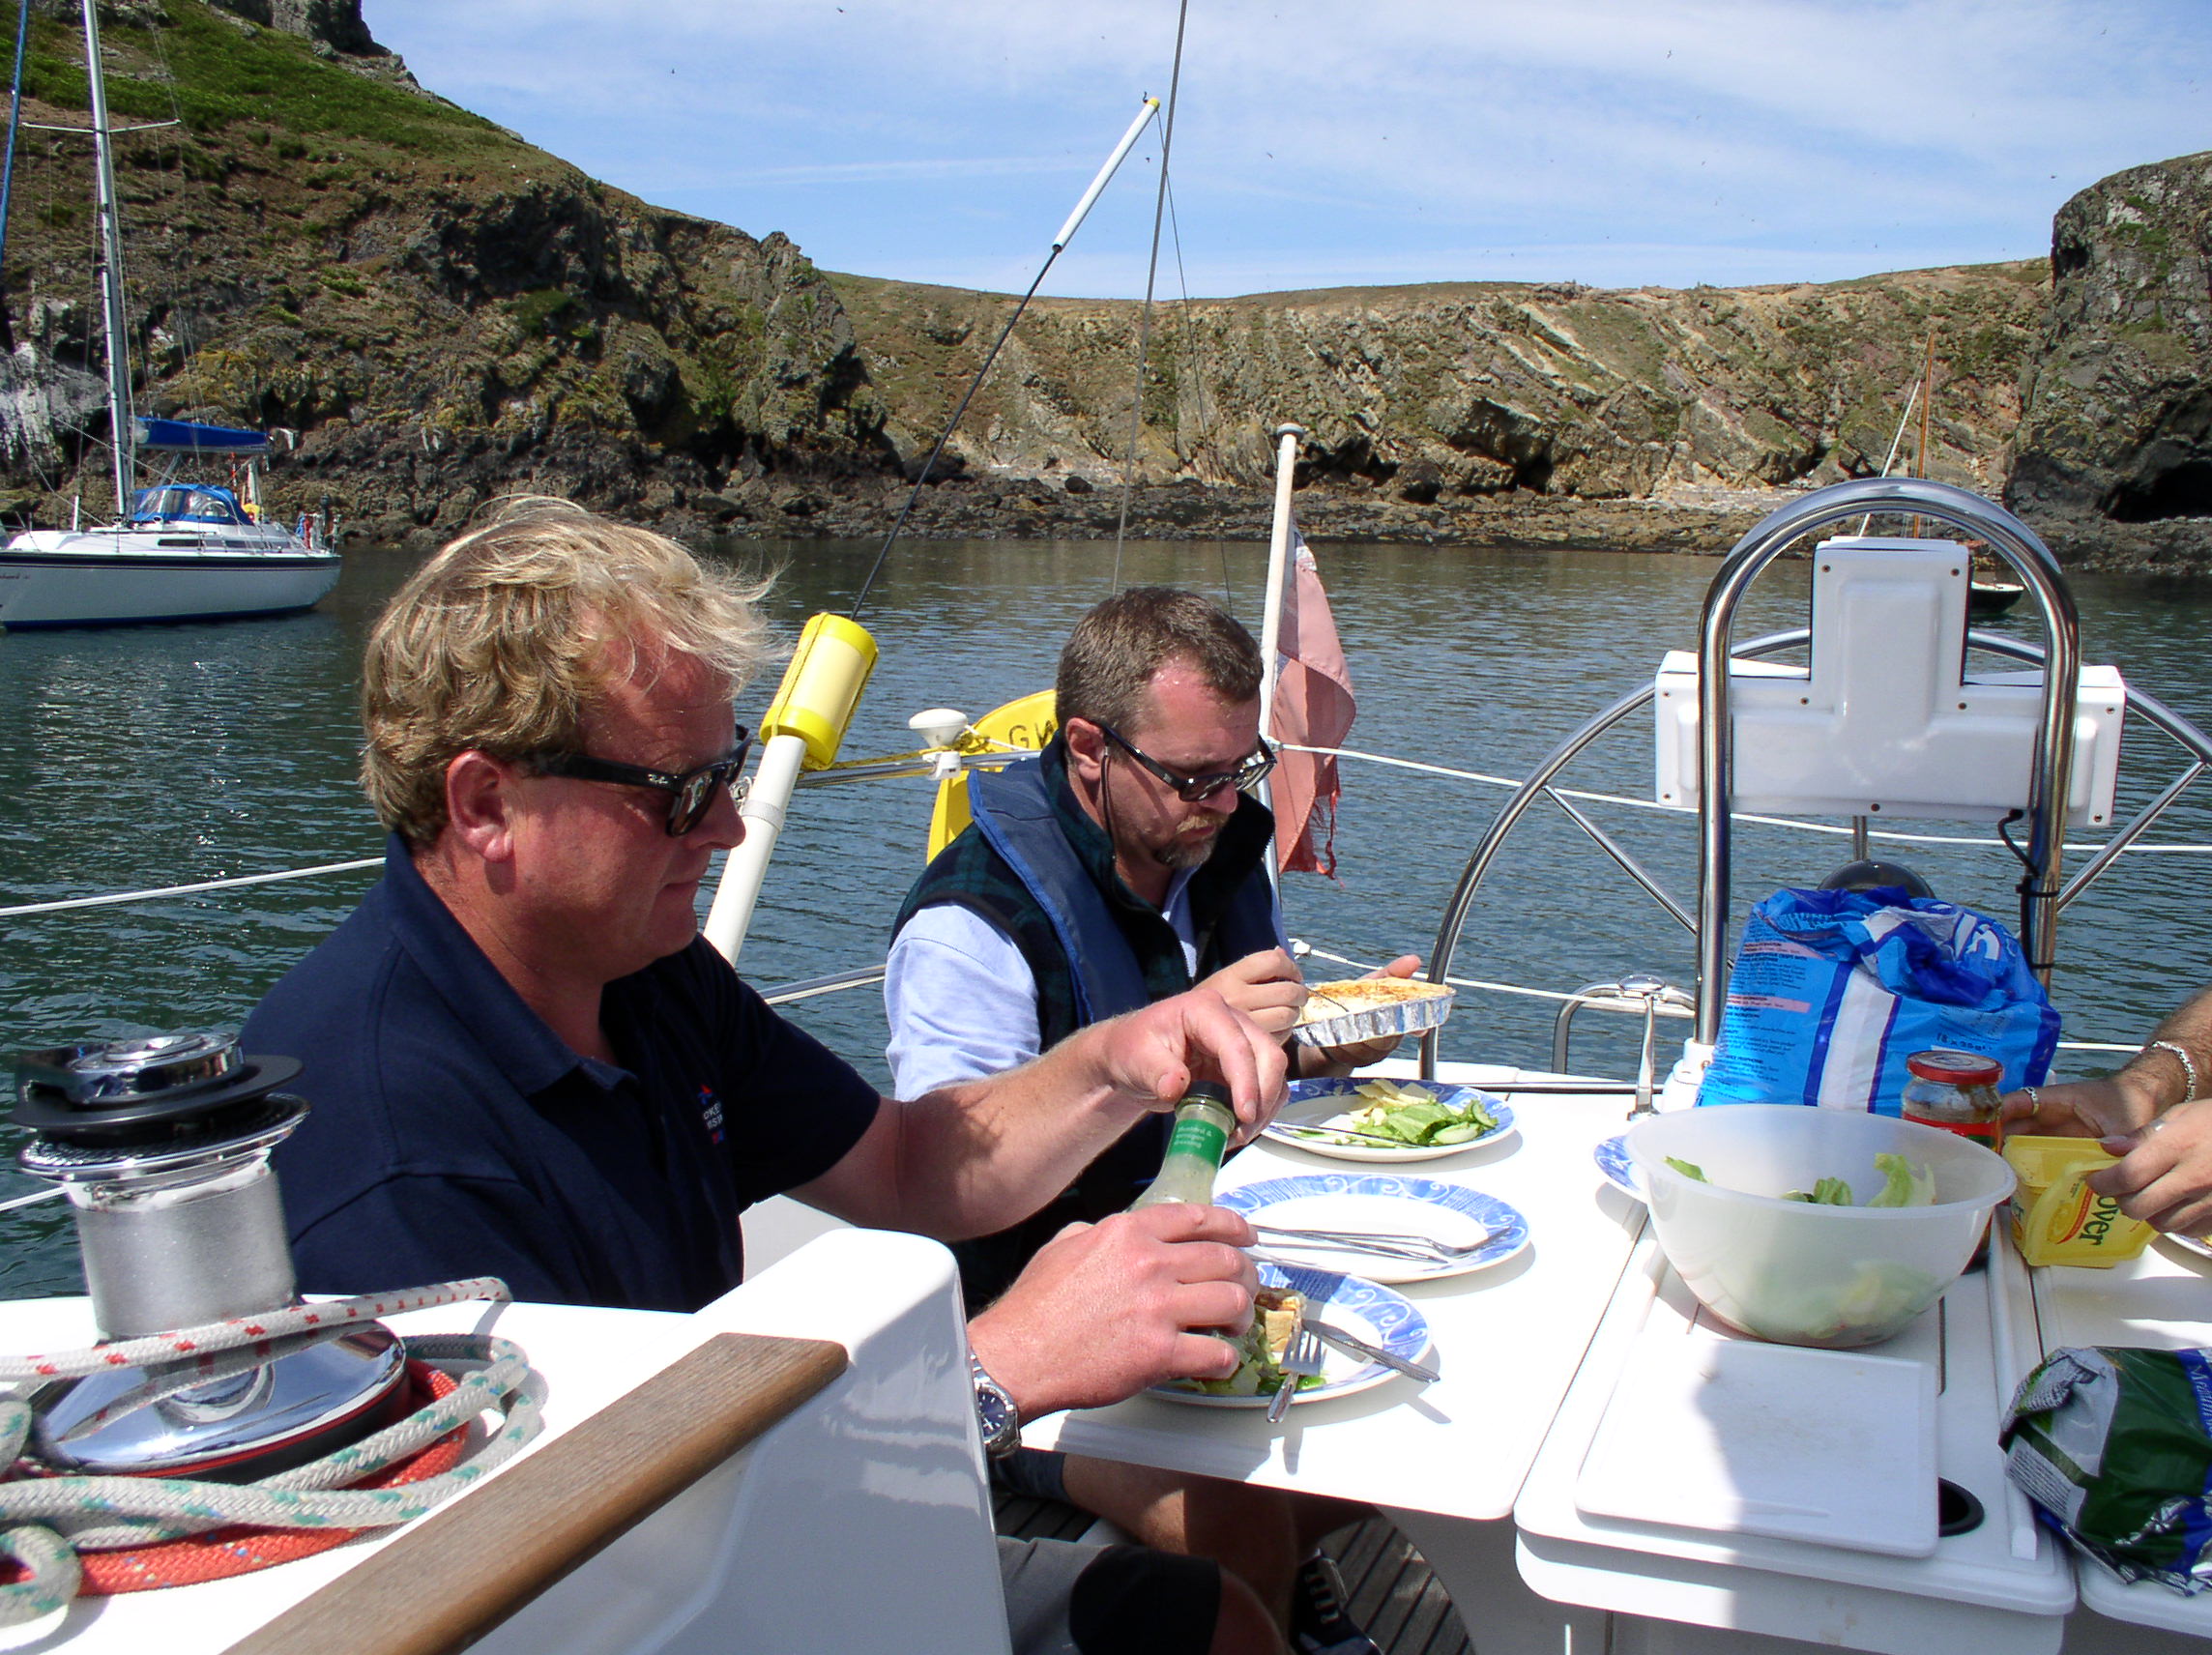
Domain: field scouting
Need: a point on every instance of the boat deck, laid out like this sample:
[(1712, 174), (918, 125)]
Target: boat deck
[(1394, 1594)]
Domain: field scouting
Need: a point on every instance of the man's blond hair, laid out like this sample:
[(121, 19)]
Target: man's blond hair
[(503, 640)]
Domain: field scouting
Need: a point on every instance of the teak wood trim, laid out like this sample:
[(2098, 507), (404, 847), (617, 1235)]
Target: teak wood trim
[(462, 1570)]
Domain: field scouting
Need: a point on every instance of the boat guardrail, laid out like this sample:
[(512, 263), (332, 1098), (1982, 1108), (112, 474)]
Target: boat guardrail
[(924, 766), (890, 769)]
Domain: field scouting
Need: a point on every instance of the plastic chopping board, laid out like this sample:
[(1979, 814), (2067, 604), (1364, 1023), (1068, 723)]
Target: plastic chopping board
[(1740, 1437)]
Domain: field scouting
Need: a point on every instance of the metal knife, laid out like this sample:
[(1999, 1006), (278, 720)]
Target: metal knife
[(1345, 1342)]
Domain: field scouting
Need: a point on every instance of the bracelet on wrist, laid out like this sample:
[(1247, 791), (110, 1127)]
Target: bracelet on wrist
[(2188, 1066)]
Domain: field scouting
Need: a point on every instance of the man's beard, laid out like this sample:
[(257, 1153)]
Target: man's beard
[(1187, 849)]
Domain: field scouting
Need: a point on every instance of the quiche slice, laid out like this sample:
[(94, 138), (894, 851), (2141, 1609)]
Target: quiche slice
[(1328, 1001), (1275, 1314)]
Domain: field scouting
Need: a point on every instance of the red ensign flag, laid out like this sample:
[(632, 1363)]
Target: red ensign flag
[(1312, 709)]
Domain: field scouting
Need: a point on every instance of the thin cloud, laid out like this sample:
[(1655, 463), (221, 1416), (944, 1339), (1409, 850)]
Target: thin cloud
[(1615, 141), (875, 172)]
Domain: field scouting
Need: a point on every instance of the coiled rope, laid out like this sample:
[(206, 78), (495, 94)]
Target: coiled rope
[(47, 1521)]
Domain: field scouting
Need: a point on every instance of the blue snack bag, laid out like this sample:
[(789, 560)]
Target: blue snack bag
[(1833, 990)]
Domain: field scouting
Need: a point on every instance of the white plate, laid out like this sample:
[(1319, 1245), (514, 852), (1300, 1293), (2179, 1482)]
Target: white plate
[(1326, 1102), (1394, 1204), (1612, 1158), (1361, 1308), (2195, 1244)]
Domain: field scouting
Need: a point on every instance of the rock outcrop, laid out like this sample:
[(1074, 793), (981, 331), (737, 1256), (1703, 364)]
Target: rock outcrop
[(1445, 406), (2114, 457)]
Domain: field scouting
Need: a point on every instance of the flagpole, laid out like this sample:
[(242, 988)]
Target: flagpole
[(1271, 615)]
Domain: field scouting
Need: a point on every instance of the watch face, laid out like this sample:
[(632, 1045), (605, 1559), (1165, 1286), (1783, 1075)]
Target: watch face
[(994, 1414)]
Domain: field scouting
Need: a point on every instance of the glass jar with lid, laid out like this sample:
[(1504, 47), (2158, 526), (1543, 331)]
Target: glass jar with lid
[(1956, 1092)]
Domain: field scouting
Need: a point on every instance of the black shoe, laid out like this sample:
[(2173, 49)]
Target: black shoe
[(1319, 1623)]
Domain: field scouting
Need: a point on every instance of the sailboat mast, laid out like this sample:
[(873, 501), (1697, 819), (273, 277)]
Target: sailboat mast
[(109, 254)]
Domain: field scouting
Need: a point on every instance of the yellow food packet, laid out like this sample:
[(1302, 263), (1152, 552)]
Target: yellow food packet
[(2058, 1219)]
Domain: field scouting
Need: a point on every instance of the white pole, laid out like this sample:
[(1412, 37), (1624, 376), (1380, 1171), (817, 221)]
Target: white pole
[(773, 780), (113, 318), (1271, 615), (1278, 566), (1889, 460), (1128, 141)]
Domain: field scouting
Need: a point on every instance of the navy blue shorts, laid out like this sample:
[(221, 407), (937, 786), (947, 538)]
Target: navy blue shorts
[(1035, 1474), (1065, 1598)]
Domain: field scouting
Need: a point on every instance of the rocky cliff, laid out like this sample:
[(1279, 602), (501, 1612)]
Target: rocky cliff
[(434, 311), (439, 313), (1472, 411), (2115, 444)]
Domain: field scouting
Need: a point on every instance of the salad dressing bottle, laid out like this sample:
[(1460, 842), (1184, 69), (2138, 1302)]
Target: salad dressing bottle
[(1196, 1143)]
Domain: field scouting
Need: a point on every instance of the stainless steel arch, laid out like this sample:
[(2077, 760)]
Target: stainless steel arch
[(2051, 771)]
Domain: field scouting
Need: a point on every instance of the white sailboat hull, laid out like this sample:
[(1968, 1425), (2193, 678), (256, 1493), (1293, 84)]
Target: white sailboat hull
[(63, 577)]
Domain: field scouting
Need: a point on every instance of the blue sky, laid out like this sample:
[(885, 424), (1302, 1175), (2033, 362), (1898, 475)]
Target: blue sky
[(1322, 143)]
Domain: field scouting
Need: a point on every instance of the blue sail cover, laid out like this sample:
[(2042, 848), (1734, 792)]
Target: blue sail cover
[(182, 435)]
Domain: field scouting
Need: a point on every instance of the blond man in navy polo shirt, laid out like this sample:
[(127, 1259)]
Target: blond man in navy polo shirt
[(525, 1062)]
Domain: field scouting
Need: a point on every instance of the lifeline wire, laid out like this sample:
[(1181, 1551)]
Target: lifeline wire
[(1145, 318), (842, 770), (8, 167)]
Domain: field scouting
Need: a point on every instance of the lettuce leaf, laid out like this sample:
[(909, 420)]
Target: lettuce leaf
[(1910, 1185), (1827, 1192)]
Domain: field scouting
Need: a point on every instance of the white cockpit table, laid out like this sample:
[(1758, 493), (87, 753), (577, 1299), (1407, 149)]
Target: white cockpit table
[(1446, 1461), (1507, 1339)]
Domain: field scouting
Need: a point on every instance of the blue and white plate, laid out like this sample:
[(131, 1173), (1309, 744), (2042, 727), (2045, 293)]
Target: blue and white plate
[(2195, 1244), (1612, 1158), (1363, 1308), (1391, 1203), (1320, 1104)]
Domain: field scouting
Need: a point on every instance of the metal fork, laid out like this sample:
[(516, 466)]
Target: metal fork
[(1388, 1244), (1301, 1359)]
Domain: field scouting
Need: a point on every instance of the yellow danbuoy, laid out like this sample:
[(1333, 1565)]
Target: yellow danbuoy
[(822, 686), (801, 730)]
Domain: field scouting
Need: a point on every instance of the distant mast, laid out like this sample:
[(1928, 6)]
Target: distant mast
[(110, 256)]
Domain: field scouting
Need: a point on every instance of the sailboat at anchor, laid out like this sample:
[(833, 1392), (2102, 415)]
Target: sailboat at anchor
[(176, 550)]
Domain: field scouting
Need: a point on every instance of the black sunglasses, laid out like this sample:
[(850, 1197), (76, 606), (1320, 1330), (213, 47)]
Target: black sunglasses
[(1194, 790), (690, 796)]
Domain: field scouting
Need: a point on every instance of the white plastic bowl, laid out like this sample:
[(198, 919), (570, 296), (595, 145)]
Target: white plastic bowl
[(1799, 1273)]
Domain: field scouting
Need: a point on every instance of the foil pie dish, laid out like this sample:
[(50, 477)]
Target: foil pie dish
[(1372, 1008)]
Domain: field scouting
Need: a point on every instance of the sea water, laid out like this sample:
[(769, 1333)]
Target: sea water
[(160, 756)]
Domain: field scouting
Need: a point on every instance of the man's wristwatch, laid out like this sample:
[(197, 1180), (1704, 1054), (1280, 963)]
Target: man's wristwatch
[(995, 1413)]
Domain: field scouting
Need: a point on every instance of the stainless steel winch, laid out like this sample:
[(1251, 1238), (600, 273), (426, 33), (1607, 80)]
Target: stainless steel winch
[(161, 1146)]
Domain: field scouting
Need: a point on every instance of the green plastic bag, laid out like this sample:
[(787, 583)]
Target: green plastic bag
[(2114, 1446)]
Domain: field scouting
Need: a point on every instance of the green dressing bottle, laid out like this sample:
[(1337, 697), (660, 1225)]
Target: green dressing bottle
[(1203, 1123)]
